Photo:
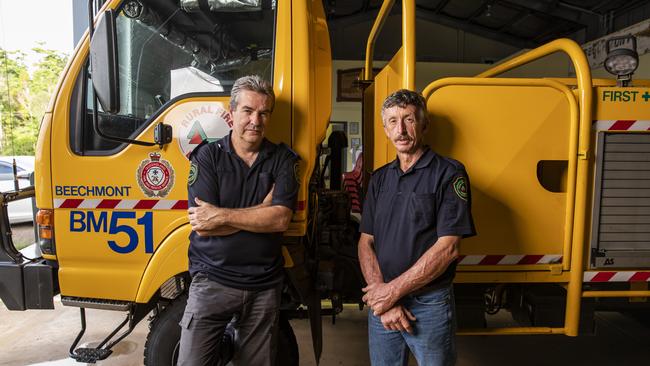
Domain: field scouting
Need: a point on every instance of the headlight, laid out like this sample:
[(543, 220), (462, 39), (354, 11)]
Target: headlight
[(45, 222)]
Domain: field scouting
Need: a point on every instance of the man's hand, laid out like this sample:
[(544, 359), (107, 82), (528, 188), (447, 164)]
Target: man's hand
[(205, 216), (380, 297), (398, 318)]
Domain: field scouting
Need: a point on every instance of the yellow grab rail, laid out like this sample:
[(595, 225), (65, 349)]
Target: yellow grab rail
[(408, 41), (510, 331), (639, 293), (573, 138), (585, 97)]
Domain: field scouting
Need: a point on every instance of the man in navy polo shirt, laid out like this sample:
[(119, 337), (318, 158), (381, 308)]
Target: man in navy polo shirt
[(416, 211), (242, 190)]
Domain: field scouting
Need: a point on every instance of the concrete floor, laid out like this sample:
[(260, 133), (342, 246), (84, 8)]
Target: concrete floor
[(42, 337)]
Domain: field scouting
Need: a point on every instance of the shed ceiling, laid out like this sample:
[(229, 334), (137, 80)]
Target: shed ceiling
[(478, 30)]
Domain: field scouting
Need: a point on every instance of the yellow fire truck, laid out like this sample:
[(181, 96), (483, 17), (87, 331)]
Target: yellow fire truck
[(560, 172)]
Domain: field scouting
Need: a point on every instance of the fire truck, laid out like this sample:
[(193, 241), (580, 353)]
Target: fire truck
[(560, 172)]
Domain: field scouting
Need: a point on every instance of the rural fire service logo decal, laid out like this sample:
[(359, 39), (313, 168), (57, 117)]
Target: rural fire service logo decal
[(155, 176), (460, 187), (207, 122)]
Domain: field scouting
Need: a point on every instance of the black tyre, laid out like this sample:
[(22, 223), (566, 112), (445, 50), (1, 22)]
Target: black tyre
[(287, 353), (161, 347)]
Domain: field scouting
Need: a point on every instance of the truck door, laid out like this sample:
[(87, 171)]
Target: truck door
[(518, 140)]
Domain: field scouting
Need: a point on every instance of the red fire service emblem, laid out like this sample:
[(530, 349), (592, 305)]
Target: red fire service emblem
[(155, 176)]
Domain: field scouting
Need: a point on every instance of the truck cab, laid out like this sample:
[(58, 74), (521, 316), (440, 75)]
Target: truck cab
[(148, 83)]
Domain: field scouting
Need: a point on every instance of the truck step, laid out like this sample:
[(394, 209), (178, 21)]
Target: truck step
[(96, 303), (103, 349), (90, 355)]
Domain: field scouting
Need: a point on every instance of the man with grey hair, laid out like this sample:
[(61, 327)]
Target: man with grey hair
[(415, 213), (242, 191)]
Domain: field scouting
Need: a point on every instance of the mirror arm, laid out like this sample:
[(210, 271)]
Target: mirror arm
[(91, 18), (15, 171), (98, 131), (101, 134)]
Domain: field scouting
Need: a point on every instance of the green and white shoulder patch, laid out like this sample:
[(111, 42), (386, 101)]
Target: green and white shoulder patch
[(460, 187), (296, 171), (194, 173)]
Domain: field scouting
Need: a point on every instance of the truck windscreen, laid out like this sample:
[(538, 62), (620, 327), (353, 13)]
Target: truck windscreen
[(169, 48), (166, 50)]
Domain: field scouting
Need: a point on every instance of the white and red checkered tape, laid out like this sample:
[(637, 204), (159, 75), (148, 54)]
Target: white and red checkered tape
[(616, 276), (509, 259), (121, 204), (589, 276), (621, 125)]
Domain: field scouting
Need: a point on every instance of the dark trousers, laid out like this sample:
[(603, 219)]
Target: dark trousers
[(211, 306)]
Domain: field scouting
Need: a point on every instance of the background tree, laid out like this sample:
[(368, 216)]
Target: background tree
[(14, 108), (24, 98)]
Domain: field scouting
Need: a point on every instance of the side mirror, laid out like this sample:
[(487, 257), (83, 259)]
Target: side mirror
[(162, 134), (104, 63)]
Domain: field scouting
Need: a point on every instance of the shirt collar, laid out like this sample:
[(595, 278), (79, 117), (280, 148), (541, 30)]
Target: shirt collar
[(265, 149), (423, 161)]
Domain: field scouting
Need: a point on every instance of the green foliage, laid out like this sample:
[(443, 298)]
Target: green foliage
[(24, 98)]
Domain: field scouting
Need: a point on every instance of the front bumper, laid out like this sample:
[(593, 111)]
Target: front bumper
[(24, 283), (27, 285)]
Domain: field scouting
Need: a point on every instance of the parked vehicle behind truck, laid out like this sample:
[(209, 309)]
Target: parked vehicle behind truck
[(560, 201), (20, 211)]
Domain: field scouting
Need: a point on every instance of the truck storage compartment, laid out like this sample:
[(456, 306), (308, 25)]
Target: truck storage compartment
[(621, 220)]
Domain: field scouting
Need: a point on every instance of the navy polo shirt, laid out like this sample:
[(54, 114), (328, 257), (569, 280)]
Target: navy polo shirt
[(243, 260), (406, 212)]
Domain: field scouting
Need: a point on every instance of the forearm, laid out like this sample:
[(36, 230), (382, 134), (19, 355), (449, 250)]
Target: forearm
[(223, 230), (263, 219), (213, 224), (368, 260), (432, 264)]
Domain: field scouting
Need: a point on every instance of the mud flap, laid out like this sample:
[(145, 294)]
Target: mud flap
[(11, 286), (316, 323)]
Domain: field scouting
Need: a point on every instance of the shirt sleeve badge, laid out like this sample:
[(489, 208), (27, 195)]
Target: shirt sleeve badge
[(194, 173), (296, 171), (460, 187)]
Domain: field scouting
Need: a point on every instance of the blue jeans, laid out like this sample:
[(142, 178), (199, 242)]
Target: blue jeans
[(433, 339)]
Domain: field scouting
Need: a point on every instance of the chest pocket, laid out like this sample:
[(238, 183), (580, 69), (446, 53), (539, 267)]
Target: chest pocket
[(264, 184), (229, 187), (423, 208)]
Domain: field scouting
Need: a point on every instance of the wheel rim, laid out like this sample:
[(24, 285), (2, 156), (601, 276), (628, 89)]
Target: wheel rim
[(175, 353)]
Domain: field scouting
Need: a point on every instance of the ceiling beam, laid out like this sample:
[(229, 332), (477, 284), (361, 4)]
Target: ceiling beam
[(485, 5), (474, 28), (554, 11), (441, 5), (519, 17), (359, 17), (552, 31)]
